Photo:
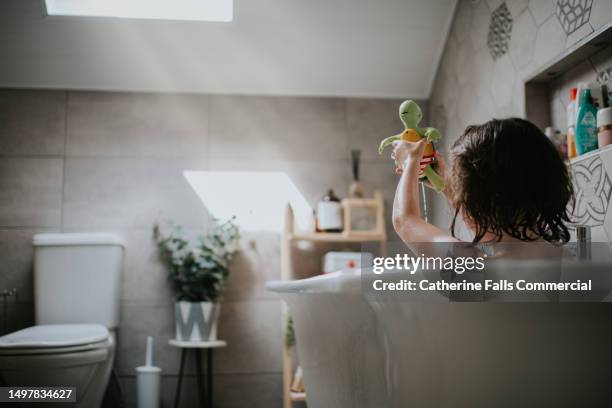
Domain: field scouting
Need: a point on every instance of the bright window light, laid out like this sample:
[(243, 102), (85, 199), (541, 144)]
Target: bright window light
[(257, 199), (192, 10)]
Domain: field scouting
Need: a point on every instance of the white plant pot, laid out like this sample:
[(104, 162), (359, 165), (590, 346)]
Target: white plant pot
[(196, 321)]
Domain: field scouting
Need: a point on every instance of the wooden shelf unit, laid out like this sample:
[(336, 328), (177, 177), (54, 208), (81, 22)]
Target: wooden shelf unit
[(348, 235)]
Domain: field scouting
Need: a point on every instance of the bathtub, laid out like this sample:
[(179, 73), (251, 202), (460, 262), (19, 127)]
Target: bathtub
[(363, 351)]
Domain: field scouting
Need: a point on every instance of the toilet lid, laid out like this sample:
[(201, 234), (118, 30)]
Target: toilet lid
[(55, 335)]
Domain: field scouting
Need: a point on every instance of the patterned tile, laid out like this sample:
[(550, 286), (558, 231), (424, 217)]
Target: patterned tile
[(522, 45), (550, 41), (593, 190), (480, 25), (500, 31), (573, 14), (541, 10), (463, 21)]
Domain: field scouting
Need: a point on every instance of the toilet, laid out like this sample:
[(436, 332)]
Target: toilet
[(77, 282)]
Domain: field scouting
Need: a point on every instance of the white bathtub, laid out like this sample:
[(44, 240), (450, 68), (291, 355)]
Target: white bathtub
[(360, 351)]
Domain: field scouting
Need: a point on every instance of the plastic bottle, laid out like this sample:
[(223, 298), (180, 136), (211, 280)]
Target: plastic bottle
[(604, 122), (571, 124), (586, 124)]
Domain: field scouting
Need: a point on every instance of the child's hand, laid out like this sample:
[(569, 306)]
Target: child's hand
[(404, 153)]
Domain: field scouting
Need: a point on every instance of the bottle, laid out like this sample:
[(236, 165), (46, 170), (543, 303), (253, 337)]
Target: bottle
[(604, 123), (329, 213), (571, 124), (553, 136), (586, 124)]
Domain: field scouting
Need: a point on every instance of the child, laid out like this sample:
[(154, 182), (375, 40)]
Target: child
[(505, 179)]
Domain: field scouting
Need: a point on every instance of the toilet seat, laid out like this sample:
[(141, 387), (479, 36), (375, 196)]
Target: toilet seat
[(55, 339)]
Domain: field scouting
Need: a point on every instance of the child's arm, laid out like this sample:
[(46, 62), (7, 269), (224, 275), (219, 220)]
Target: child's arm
[(407, 220)]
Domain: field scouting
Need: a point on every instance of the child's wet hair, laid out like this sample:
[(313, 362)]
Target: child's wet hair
[(508, 178)]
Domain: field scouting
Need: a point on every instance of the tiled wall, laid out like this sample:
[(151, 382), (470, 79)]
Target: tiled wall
[(493, 47), (85, 161)]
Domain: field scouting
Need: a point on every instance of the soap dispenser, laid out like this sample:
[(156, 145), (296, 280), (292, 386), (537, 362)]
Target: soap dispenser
[(329, 213)]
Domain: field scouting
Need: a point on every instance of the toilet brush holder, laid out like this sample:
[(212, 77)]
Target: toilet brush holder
[(148, 380)]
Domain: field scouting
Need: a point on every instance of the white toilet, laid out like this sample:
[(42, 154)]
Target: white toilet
[(77, 281)]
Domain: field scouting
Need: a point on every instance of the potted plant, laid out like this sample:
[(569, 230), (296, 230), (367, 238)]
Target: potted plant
[(198, 273)]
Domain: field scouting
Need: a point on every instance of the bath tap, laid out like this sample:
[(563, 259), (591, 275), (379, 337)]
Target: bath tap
[(583, 243)]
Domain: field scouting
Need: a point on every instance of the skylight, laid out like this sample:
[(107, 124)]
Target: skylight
[(257, 199), (186, 10)]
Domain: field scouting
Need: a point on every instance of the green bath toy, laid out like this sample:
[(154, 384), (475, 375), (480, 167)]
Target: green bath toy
[(410, 115)]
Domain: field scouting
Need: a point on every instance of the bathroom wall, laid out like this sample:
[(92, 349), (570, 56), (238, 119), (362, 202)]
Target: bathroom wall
[(93, 161), (493, 47)]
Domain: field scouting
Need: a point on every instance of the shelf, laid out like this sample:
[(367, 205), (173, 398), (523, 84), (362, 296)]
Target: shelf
[(348, 235), (354, 236), (298, 396)]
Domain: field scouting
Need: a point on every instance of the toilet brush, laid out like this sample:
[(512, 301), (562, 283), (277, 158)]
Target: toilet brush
[(148, 380)]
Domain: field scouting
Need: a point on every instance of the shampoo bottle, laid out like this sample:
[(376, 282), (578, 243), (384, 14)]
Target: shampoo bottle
[(571, 124), (586, 124)]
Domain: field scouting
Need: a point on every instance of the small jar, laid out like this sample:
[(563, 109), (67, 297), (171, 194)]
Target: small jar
[(604, 124)]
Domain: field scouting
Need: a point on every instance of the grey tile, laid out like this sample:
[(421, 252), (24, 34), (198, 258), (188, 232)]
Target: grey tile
[(252, 330), (542, 9), (19, 316), (465, 63), (449, 57), (522, 44), (493, 4), (480, 24), (257, 263), (516, 7), (145, 276), (463, 20), (130, 193), (550, 41), (137, 125), (601, 13), (17, 256), (30, 192), (271, 128), (137, 322), (381, 176), (503, 81), (371, 120), (32, 122), (483, 72)]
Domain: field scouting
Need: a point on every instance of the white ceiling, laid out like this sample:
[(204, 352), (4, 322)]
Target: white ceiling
[(370, 48)]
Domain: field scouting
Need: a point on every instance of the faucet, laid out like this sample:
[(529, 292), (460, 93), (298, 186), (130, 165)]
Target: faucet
[(583, 243)]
